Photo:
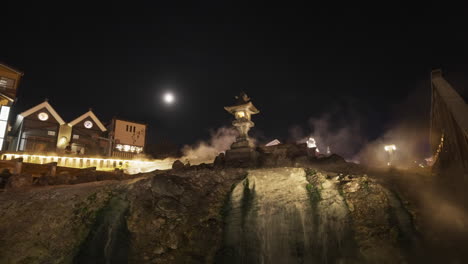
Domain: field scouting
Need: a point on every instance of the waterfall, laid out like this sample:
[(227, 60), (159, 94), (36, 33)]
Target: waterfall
[(273, 218)]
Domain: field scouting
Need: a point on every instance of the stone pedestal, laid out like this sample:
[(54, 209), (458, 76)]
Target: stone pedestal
[(241, 157), (242, 143)]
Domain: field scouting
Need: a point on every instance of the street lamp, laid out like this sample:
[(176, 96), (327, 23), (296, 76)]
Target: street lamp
[(390, 149)]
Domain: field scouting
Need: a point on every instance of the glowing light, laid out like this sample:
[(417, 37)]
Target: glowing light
[(168, 98), (311, 143), (240, 114), (4, 112), (43, 116), (128, 148), (63, 140), (390, 147), (131, 166)]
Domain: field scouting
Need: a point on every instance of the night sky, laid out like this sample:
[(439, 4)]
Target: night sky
[(296, 61)]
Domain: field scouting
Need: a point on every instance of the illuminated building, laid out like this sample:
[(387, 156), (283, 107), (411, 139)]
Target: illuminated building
[(9, 80), (36, 129), (127, 138), (85, 134), (41, 130)]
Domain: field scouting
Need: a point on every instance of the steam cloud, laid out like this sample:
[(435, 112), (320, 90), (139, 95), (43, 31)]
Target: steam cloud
[(206, 151), (342, 135)]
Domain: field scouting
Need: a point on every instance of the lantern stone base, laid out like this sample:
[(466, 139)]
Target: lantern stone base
[(242, 143), (241, 157)]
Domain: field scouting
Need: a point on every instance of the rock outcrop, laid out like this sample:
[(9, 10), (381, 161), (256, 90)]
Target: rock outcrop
[(211, 214), (168, 218)]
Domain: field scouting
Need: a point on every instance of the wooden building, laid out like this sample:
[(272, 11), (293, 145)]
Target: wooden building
[(9, 81), (36, 130), (85, 135), (42, 130)]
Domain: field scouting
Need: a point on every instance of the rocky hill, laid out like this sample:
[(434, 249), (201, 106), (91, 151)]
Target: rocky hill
[(208, 214)]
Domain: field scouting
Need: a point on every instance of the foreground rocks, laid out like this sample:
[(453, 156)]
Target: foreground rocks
[(167, 218), (181, 216)]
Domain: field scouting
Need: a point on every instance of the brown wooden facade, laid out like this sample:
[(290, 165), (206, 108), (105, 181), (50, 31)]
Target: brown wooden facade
[(35, 135)]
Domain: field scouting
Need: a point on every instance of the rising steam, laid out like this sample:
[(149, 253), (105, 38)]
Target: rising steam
[(341, 136), (206, 151)]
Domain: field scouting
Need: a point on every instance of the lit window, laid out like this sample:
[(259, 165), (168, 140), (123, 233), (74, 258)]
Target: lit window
[(43, 116), (51, 133), (4, 112), (3, 127), (240, 114), (76, 136), (7, 83)]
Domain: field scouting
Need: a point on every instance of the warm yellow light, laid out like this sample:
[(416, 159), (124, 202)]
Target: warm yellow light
[(63, 140), (390, 147), (240, 114), (131, 166)]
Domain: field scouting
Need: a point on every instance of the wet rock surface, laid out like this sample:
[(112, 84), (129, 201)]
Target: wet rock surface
[(211, 214), (368, 215)]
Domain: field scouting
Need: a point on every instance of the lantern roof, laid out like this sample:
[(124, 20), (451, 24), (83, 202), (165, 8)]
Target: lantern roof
[(243, 104)]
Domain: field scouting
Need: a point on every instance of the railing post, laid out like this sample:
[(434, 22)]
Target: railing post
[(18, 166), (52, 169)]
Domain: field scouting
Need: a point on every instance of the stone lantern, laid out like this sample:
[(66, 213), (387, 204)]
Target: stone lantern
[(242, 149)]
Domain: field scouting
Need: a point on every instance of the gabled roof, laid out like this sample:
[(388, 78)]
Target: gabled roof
[(247, 106), (11, 69), (92, 116), (47, 106), (273, 143), (7, 97), (453, 101)]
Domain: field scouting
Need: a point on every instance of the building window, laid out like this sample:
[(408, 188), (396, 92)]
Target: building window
[(76, 136), (51, 133), (7, 83), (127, 128), (4, 112)]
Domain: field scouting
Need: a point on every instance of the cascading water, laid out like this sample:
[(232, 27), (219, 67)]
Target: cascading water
[(274, 217)]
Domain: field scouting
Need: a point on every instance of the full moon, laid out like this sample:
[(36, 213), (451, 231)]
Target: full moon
[(168, 98)]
